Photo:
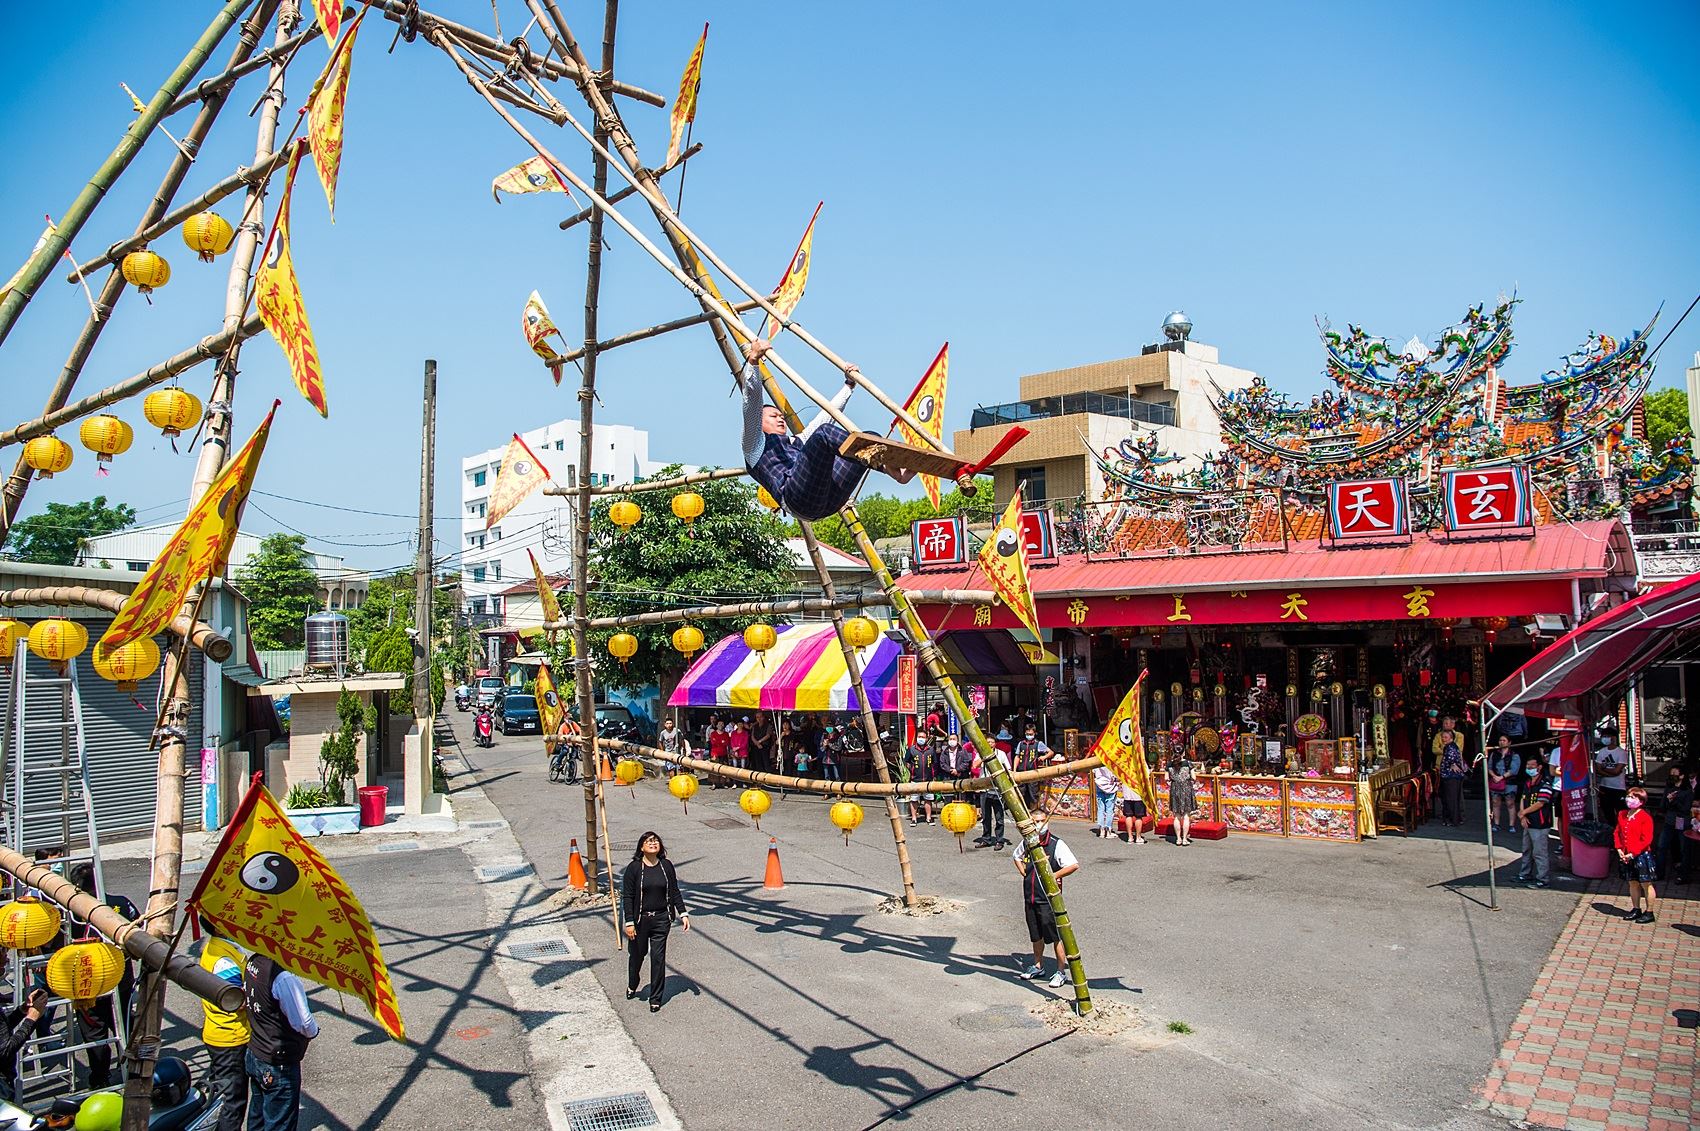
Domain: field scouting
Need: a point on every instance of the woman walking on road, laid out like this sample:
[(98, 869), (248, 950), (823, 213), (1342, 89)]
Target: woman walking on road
[(649, 899), (1633, 840), (1107, 787)]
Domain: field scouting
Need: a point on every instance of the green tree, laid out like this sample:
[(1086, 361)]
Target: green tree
[(392, 651), (1667, 416), (886, 517), (282, 591), (736, 550), (56, 535)]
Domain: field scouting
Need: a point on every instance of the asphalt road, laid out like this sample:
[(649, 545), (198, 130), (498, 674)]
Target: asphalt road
[(1354, 985)]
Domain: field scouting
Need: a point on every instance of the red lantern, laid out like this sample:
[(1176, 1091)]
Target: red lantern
[(1398, 679), (1424, 676), (1452, 676)]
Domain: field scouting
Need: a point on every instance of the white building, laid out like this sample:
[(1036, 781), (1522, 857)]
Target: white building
[(135, 549), (495, 559)]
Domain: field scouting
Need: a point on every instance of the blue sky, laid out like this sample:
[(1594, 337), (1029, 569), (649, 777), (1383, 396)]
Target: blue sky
[(1038, 184)]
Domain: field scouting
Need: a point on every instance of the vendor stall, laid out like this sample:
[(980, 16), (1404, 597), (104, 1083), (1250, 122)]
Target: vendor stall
[(803, 671)]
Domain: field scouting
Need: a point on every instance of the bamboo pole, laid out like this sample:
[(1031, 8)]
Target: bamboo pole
[(208, 639), (583, 671), (17, 485), (653, 485), (219, 85), (206, 349), (248, 177), (765, 301), (495, 50), (720, 309), (628, 338), (126, 934), (615, 198), (860, 599), (82, 207), (828, 788), (167, 872), (865, 710)]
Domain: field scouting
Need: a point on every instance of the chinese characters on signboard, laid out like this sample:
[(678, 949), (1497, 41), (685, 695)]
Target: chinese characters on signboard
[(1368, 508), (1494, 498), (937, 541), (908, 677)]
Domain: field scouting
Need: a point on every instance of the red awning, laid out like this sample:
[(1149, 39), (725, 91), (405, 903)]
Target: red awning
[(1567, 550), (1581, 674), (1430, 578)]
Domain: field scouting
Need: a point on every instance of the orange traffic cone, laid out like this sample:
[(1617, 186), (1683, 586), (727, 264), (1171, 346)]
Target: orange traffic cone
[(575, 868), (775, 878), (604, 768)]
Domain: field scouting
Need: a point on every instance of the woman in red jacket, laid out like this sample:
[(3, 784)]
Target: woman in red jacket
[(1634, 842)]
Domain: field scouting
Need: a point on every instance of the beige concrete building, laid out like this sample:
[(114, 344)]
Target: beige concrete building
[(1075, 412)]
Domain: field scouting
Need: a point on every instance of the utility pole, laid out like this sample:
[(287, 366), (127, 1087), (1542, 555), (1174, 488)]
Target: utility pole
[(422, 568)]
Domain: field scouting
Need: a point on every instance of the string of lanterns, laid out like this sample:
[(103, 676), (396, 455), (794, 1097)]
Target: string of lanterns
[(60, 641)]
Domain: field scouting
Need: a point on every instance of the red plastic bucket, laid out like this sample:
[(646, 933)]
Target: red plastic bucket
[(373, 800)]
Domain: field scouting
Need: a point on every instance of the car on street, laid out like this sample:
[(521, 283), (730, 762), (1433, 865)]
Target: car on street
[(518, 714), (615, 720), (490, 690)]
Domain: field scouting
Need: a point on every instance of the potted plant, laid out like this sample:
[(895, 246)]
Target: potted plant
[(324, 809)]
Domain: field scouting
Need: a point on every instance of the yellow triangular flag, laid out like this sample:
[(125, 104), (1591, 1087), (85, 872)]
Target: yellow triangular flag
[(521, 474), (1004, 559), (926, 404)]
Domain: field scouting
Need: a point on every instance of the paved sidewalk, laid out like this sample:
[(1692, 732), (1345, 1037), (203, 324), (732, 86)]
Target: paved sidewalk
[(1607, 1038)]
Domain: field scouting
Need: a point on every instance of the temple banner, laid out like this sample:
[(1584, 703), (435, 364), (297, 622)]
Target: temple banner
[(1368, 508), (1494, 498)]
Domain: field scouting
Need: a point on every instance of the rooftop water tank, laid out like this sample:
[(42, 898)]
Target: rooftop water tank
[(327, 642)]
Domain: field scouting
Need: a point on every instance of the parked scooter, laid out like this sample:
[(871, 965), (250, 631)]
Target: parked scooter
[(178, 1105), (483, 728)]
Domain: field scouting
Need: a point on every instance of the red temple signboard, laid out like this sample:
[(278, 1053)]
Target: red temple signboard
[(1368, 508), (1493, 498), (938, 541)]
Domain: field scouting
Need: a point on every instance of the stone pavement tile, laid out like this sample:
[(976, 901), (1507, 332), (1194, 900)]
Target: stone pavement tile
[(1617, 1057)]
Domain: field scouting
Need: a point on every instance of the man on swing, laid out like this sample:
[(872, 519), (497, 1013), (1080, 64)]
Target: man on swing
[(805, 473)]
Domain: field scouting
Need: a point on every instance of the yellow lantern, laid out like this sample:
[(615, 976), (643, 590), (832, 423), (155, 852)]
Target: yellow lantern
[(760, 637), (625, 514), (861, 631), (688, 639), (106, 436), (145, 270), (207, 234), (171, 409), (47, 454), (846, 815), (687, 505), (129, 665), (766, 499), (11, 631), (26, 924), (755, 802), (58, 640), (684, 787), (628, 771), (622, 646), (86, 970), (958, 817)]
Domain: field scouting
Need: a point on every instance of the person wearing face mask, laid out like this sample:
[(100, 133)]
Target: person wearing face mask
[(1537, 801), (1502, 785), (1633, 840)]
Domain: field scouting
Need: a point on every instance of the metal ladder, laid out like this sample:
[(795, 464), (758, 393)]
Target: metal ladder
[(46, 804)]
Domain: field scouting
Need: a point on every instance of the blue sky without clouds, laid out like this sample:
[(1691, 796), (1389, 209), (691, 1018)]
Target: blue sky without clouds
[(1039, 184)]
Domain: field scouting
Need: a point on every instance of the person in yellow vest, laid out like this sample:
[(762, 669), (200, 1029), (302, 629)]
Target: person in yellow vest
[(225, 1034)]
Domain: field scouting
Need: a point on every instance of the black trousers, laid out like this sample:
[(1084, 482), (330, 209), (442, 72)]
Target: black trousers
[(227, 1079), (1452, 800), (991, 815), (652, 928)]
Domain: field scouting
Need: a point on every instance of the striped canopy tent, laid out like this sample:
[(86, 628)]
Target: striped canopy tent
[(803, 671)]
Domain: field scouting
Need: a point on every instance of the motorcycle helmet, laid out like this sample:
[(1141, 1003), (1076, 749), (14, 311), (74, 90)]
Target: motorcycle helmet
[(170, 1082), (103, 1111)]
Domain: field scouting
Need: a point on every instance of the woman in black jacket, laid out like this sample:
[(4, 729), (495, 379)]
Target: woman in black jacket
[(649, 898)]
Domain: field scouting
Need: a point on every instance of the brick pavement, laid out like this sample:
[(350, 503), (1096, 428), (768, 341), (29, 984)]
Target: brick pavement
[(1607, 1037)]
